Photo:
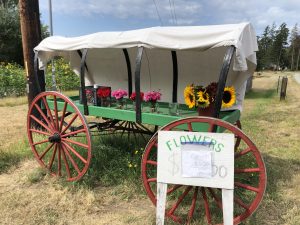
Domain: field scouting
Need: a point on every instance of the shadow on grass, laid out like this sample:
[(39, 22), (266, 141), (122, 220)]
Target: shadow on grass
[(274, 205), (115, 160), (260, 94), (14, 155)]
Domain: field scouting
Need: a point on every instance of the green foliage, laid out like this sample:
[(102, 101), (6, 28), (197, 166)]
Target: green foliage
[(66, 79), (10, 35), (275, 51), (12, 80)]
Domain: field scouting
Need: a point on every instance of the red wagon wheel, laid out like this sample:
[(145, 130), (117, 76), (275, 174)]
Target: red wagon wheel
[(237, 138), (183, 201), (59, 136)]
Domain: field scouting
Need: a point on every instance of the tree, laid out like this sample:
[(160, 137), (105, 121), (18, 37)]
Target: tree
[(280, 45), (10, 34), (294, 41)]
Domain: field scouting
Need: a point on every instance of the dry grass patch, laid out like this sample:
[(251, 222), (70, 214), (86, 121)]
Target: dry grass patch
[(28, 195)]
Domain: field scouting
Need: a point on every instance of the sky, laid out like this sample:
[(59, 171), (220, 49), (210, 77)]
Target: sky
[(80, 17)]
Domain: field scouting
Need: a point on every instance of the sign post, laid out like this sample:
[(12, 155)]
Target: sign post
[(198, 159)]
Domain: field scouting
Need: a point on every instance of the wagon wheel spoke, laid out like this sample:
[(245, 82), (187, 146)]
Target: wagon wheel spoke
[(74, 152), (72, 133), (215, 197), (48, 110), (180, 199), (61, 123), (171, 190), (240, 203), (70, 123), (40, 132), (206, 205), (151, 162), (247, 170), (40, 142), (46, 151), (75, 142), (52, 158), (44, 116), (193, 205), (241, 153), (59, 160), (152, 180), (74, 164), (190, 128), (250, 177), (245, 186), (40, 123), (57, 147), (56, 112), (65, 161)]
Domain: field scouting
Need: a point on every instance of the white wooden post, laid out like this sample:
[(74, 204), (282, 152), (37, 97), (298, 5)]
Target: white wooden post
[(227, 204), (161, 203)]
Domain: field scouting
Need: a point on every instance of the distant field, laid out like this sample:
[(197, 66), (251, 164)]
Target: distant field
[(112, 193)]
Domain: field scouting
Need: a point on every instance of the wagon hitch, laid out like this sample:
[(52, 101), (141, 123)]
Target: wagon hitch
[(55, 138)]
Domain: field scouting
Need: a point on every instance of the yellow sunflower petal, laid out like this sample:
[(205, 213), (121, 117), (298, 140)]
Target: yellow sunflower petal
[(229, 97), (189, 96)]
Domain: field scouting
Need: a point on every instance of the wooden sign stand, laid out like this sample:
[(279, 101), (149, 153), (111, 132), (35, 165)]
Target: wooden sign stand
[(227, 204), (194, 161)]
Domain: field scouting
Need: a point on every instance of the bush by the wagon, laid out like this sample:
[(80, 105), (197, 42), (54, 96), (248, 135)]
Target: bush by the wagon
[(12, 80)]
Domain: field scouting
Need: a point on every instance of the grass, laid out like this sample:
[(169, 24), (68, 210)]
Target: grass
[(111, 191), (13, 101)]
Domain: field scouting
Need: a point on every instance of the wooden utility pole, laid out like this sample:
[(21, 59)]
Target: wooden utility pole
[(31, 37)]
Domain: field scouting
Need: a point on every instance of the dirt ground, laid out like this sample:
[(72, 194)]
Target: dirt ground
[(46, 201)]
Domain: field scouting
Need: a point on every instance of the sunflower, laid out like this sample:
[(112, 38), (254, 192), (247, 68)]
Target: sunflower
[(189, 96), (203, 99), (228, 97)]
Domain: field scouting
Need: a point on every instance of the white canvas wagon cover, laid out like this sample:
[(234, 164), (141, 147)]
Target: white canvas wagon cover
[(200, 51)]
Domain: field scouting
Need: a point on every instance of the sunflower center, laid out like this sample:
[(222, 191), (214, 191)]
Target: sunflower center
[(226, 97)]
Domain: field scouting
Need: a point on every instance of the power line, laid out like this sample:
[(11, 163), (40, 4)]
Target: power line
[(158, 13), (171, 11), (174, 12)]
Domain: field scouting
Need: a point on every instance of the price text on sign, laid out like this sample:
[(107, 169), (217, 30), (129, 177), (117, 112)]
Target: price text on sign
[(196, 158)]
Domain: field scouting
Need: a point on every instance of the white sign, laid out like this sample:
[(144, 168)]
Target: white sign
[(196, 158), (196, 161), (199, 159)]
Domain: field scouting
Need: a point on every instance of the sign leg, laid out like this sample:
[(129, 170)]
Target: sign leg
[(227, 201), (161, 203)]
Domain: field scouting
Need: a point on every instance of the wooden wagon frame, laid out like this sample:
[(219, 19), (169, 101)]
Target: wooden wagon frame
[(59, 134)]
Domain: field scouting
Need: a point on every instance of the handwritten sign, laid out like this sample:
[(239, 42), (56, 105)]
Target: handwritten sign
[(198, 159), (185, 156)]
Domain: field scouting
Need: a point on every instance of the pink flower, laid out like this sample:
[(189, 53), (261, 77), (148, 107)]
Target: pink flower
[(120, 93), (152, 96)]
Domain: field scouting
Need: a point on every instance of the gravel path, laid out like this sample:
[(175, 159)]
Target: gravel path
[(297, 77)]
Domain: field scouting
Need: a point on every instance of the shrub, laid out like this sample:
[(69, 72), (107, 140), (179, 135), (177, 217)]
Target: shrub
[(12, 80), (66, 79)]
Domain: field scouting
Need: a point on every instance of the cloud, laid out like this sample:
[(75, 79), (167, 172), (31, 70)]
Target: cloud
[(188, 12)]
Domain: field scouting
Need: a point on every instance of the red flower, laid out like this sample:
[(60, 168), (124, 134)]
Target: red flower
[(103, 92), (133, 95)]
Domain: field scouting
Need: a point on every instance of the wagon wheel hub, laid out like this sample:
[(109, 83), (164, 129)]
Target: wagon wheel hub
[(55, 138)]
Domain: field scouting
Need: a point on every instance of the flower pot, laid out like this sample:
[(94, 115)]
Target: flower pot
[(121, 104), (208, 111), (153, 107), (105, 101)]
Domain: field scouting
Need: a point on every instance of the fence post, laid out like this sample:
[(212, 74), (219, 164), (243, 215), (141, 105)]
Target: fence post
[(283, 88)]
